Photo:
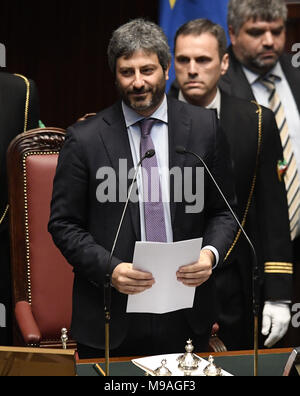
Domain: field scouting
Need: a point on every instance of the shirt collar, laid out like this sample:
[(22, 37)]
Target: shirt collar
[(215, 104), (131, 117), (254, 77)]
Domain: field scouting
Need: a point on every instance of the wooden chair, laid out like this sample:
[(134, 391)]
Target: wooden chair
[(215, 343), (42, 279)]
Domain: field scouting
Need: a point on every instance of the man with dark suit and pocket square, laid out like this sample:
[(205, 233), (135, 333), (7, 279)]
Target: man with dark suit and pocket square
[(200, 60), (84, 227), (19, 111)]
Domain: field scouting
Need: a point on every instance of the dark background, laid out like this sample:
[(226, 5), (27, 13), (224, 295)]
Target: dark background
[(62, 46)]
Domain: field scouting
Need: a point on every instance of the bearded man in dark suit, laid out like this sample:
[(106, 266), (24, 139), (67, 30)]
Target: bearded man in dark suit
[(200, 61), (19, 111), (258, 35), (84, 228), (257, 30)]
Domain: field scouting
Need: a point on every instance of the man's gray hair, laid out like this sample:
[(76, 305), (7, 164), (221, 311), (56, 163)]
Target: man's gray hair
[(139, 34), (241, 11)]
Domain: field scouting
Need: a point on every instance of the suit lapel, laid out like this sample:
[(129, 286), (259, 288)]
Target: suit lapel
[(241, 131), (235, 82), (242, 88), (226, 120), (238, 132), (179, 125), (115, 139)]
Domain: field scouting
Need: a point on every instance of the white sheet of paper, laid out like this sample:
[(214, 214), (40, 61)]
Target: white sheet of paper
[(163, 260)]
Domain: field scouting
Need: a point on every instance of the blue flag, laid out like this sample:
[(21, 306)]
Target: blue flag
[(174, 13)]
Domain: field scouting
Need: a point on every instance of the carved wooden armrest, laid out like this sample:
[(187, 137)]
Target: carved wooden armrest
[(215, 343)]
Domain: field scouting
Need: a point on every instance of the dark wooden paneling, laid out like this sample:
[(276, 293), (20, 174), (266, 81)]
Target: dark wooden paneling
[(293, 25), (62, 46)]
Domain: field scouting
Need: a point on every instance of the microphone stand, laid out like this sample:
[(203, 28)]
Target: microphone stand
[(255, 277), (107, 282)]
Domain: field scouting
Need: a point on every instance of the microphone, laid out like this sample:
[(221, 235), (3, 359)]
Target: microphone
[(255, 275), (107, 283), (148, 154)]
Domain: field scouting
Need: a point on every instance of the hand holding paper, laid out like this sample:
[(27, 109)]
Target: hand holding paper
[(163, 260), (129, 281), (196, 274)]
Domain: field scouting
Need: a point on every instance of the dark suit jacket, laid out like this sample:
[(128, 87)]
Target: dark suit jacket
[(235, 83), (267, 218), (267, 221), (13, 92), (84, 230)]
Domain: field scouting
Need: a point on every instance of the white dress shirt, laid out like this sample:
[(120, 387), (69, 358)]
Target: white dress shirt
[(160, 138)]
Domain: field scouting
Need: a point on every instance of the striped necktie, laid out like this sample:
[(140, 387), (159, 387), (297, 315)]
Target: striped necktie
[(291, 177)]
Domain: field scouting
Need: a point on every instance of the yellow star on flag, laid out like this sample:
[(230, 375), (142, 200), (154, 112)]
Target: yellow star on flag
[(172, 3)]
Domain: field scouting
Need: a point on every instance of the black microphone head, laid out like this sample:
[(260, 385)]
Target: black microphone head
[(180, 150), (150, 153)]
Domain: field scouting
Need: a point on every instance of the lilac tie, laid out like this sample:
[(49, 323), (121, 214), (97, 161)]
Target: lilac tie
[(154, 212)]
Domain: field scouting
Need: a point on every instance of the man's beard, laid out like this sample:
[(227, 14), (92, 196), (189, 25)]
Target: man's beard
[(141, 105), (261, 66)]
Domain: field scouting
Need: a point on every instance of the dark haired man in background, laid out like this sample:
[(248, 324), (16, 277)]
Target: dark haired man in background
[(261, 70), (200, 60)]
